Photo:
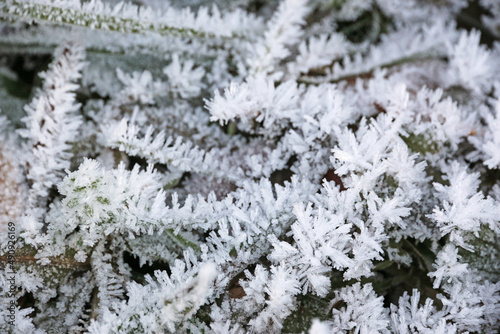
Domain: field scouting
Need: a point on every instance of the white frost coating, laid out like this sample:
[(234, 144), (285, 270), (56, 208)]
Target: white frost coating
[(282, 31), (228, 175), (491, 147), (317, 52), (198, 291), (52, 121), (97, 14), (319, 327), (470, 65)]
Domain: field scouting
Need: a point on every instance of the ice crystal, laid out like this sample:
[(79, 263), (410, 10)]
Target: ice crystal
[(301, 166)]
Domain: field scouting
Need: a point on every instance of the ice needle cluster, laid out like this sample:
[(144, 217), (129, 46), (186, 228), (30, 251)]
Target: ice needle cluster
[(249, 167)]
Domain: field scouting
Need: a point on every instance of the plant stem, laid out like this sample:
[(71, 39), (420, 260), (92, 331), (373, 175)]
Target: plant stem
[(368, 73), (59, 261), (16, 10)]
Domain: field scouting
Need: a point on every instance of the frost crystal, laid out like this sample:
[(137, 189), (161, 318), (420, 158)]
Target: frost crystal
[(248, 166)]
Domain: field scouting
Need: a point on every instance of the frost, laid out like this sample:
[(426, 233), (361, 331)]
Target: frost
[(363, 313), (249, 166), (52, 121)]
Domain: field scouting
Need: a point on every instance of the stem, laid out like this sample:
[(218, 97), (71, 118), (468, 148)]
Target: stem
[(368, 73), (383, 265), (16, 10), (183, 241), (425, 261), (94, 302)]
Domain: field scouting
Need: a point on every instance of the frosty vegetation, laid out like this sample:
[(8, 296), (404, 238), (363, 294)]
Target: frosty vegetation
[(322, 166)]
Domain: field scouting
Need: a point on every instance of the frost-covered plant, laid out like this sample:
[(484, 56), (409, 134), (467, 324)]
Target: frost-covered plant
[(321, 166)]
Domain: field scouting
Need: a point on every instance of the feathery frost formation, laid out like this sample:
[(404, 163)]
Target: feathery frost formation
[(252, 167)]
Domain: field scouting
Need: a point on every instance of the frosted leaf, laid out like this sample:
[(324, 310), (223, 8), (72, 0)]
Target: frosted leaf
[(128, 17), (283, 30), (448, 266), (185, 79), (317, 52), (410, 316), (52, 122), (161, 304), (463, 209)]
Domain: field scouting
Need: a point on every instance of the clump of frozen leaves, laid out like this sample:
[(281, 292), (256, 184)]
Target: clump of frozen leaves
[(305, 166)]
